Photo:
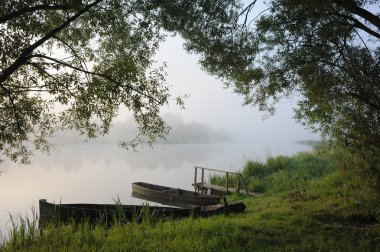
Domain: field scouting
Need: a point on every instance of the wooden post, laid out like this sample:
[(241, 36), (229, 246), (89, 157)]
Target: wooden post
[(226, 183), (245, 188), (202, 181), (204, 187), (238, 183), (195, 179)]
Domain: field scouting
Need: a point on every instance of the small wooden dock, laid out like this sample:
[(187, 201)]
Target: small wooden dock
[(218, 189)]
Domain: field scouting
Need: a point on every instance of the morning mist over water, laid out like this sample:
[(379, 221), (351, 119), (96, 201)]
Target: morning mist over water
[(98, 171)]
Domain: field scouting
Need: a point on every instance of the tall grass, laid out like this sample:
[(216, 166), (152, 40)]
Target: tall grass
[(191, 234), (270, 224), (284, 173), (351, 178), (24, 229)]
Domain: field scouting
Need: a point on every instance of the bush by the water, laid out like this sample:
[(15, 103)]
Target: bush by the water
[(283, 173), (358, 177)]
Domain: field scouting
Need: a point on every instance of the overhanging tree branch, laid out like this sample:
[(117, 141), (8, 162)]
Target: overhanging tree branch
[(357, 24), (83, 62), (14, 108), (365, 100), (351, 7), (246, 10), (96, 74), (24, 55), (51, 76), (27, 10)]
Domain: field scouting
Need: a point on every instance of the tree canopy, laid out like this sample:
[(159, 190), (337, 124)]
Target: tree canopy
[(325, 53), (72, 64)]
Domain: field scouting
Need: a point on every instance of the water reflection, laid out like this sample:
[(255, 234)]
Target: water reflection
[(169, 156)]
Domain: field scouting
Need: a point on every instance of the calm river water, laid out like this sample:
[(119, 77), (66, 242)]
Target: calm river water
[(94, 173)]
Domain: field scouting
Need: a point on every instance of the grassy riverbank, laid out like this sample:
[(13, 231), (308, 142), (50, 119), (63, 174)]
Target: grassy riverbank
[(307, 204)]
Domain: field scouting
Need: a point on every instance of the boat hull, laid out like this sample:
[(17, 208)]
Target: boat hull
[(172, 196), (105, 213), (108, 213)]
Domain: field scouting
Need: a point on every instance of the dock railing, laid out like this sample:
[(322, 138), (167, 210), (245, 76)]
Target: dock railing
[(201, 185)]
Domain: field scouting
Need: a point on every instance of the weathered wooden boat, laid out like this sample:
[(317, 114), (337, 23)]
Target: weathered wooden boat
[(172, 196), (206, 211), (105, 213), (109, 213)]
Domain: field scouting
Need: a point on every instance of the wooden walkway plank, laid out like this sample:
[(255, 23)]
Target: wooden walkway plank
[(223, 189)]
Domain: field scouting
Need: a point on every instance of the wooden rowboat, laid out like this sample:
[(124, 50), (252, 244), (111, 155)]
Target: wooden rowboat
[(104, 213), (172, 196), (108, 213)]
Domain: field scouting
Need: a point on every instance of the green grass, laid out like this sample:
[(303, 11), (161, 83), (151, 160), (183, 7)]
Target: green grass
[(282, 173), (310, 207), (271, 223)]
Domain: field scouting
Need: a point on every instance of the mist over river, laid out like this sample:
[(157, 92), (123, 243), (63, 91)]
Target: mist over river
[(99, 173)]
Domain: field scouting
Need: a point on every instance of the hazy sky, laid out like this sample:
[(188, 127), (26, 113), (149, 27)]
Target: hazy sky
[(210, 103)]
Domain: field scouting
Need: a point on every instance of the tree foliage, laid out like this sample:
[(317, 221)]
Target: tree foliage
[(325, 52), (72, 64), (88, 58)]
